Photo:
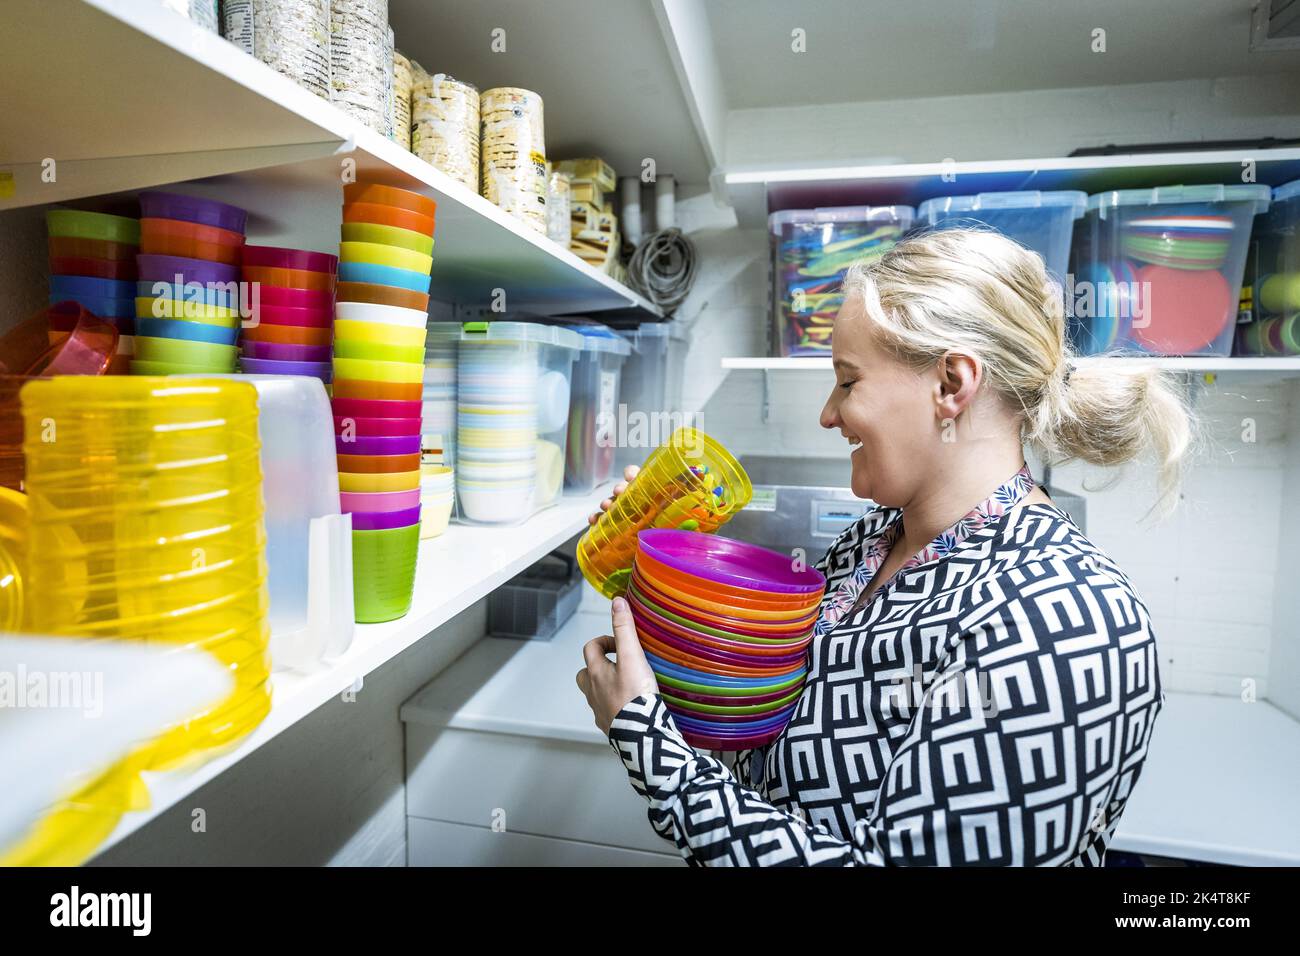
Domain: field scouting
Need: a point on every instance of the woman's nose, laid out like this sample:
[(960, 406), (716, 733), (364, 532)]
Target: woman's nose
[(830, 417)]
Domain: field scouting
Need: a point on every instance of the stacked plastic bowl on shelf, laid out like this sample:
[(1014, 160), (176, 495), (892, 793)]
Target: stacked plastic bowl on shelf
[(93, 263), (385, 258), (289, 298), (496, 432), (437, 494), (725, 627), (187, 298)]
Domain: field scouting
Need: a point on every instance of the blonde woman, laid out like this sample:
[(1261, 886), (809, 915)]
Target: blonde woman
[(982, 679)]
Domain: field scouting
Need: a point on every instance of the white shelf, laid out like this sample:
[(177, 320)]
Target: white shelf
[(1289, 366), (755, 193), (455, 569), (1219, 785), (186, 105)]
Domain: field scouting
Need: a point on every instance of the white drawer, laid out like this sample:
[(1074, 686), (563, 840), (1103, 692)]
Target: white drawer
[(435, 843), (530, 785)]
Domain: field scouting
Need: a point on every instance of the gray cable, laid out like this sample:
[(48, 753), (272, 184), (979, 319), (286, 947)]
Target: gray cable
[(663, 268)]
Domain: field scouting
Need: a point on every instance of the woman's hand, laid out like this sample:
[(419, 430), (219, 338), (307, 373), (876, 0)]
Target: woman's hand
[(630, 472), (610, 686)]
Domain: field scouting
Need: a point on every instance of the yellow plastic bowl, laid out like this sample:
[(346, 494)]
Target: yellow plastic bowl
[(379, 481), (388, 236), (350, 330), (367, 370), (381, 255), (151, 307)]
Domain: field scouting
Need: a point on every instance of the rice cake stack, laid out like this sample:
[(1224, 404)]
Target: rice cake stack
[(513, 150), (445, 125)]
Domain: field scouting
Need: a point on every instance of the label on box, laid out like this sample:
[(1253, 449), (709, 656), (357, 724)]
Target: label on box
[(764, 499)]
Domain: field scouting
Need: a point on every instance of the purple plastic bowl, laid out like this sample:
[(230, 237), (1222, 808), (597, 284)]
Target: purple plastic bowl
[(724, 722), (281, 258), (705, 652), (697, 698), (165, 269), (378, 445), (209, 212), (285, 352), (727, 561), (385, 520), (253, 366)]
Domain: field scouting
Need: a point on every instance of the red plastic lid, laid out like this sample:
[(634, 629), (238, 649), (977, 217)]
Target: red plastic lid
[(283, 258)]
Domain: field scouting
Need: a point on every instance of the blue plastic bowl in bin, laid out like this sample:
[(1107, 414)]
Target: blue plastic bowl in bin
[(1041, 221)]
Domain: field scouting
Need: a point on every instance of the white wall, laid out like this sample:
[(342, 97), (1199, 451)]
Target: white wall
[(1284, 660), (1013, 125)]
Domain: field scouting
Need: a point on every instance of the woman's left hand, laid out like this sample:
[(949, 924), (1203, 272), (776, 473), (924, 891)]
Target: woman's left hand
[(610, 686)]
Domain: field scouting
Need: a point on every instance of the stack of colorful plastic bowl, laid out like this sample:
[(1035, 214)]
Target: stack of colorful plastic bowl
[(289, 300), (439, 409), (437, 495), (187, 301), (385, 257), (725, 627), (93, 263)]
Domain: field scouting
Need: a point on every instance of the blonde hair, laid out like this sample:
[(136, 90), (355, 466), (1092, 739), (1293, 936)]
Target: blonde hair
[(979, 293)]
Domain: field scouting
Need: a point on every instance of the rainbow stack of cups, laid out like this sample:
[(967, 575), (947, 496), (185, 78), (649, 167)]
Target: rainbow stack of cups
[(187, 300), (92, 263), (385, 259), (289, 300)]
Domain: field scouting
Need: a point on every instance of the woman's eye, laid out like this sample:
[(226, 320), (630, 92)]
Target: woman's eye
[(847, 385)]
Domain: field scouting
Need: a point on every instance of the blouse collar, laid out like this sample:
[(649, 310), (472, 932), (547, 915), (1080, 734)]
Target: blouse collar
[(1006, 496)]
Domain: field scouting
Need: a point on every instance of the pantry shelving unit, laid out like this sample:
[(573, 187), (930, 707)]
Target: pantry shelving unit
[(456, 569), (185, 106)]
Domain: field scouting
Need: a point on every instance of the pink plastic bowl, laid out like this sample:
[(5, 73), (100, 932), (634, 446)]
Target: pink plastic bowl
[(356, 501), (316, 317), (295, 298)]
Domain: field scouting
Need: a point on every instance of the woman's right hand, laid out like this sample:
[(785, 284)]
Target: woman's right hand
[(630, 472)]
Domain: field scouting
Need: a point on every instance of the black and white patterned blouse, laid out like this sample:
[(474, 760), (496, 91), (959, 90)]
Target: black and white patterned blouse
[(991, 704)]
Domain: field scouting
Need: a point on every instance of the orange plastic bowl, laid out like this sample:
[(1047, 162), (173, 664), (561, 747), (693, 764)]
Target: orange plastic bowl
[(382, 295), (378, 391), (393, 216), (288, 334), (658, 573), (722, 616), (190, 240), (379, 464), (729, 607), (379, 195), (289, 278), (74, 247), (677, 656)]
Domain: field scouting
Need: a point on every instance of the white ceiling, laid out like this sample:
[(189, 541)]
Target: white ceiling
[(901, 49), (601, 67)]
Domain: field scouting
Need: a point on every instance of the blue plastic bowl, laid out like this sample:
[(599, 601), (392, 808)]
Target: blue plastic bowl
[(102, 306), (661, 666), (384, 275), (189, 331), (66, 287)]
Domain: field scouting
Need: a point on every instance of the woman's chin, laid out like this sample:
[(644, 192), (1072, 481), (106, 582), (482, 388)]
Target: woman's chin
[(860, 479)]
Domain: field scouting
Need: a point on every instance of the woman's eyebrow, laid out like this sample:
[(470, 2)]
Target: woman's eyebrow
[(843, 365)]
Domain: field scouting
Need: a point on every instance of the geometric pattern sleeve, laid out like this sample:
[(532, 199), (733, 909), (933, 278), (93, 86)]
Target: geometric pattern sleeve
[(1022, 748)]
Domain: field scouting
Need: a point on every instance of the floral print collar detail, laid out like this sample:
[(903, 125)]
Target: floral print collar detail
[(1003, 499)]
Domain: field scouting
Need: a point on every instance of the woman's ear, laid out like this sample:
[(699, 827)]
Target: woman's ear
[(959, 381)]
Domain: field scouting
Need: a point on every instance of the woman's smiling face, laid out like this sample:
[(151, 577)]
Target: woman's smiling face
[(885, 410)]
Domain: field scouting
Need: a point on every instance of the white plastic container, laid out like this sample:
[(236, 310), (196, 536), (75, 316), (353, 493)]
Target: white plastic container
[(300, 483), (511, 385), (650, 391), (593, 412)]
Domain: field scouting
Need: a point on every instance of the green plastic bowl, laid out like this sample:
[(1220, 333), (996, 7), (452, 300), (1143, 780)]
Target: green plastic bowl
[(383, 572), (376, 352), (211, 356), (388, 236)]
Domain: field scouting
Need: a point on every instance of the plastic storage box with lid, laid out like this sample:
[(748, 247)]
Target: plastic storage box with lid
[(1158, 271), (650, 390), (507, 433), (812, 249), (1041, 221), (1273, 275), (593, 409)]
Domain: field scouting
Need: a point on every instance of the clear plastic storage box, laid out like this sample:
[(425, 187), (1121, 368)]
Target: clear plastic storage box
[(593, 410), (1041, 221), (506, 432), (1158, 271), (1273, 277), (811, 251), (650, 393)]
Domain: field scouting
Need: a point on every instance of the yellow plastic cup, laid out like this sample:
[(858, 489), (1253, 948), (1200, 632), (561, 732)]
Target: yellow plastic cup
[(378, 481), (388, 236), (150, 490), (674, 489), (377, 333)]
